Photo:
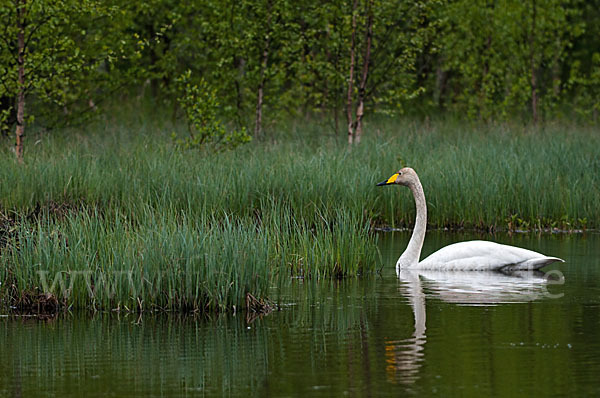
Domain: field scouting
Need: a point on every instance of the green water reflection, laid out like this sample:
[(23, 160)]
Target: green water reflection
[(427, 334)]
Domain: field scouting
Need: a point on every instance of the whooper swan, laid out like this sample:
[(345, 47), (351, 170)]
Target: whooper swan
[(474, 255)]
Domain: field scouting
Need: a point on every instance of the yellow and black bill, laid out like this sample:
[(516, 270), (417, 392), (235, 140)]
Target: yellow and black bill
[(389, 181)]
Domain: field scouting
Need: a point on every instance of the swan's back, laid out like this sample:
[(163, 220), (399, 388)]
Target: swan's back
[(478, 255)]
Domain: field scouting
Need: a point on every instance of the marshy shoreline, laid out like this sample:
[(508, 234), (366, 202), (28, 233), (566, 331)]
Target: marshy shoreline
[(119, 218)]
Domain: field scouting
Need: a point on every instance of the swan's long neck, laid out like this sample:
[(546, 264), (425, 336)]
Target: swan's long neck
[(411, 255)]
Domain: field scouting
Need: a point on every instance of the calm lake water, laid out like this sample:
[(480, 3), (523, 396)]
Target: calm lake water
[(461, 334)]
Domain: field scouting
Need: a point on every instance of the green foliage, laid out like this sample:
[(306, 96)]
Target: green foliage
[(4, 119), (587, 85), (69, 47), (489, 51), (476, 59), (199, 101)]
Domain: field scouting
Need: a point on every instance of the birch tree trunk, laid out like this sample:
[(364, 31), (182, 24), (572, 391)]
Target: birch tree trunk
[(261, 87), (534, 99), (351, 77), (20, 130), (263, 68), (365, 74), (482, 110)]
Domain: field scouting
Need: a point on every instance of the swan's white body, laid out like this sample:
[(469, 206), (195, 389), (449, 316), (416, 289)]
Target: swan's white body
[(474, 255), (479, 255)]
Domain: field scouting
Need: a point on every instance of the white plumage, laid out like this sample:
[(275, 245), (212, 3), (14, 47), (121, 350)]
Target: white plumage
[(483, 255), (474, 255)]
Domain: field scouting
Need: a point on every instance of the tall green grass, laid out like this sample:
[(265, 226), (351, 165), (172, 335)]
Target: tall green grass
[(471, 177), (199, 230), (167, 261), (161, 263)]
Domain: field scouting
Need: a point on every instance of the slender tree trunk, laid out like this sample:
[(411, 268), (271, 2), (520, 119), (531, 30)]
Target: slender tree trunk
[(261, 87), (336, 96), (486, 68), (237, 63), (365, 74), (534, 99), (556, 70), (336, 117), (351, 77), (263, 69), (324, 80), (440, 84), (239, 100), (20, 131), (556, 78)]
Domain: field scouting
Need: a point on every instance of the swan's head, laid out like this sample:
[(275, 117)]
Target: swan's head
[(405, 176)]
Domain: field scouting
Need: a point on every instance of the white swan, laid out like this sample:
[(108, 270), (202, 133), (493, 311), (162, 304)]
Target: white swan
[(474, 255)]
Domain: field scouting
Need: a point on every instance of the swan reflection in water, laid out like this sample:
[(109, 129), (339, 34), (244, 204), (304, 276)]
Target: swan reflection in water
[(405, 357)]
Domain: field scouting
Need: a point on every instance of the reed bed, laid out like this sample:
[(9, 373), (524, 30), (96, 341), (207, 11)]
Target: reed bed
[(133, 223), (168, 262)]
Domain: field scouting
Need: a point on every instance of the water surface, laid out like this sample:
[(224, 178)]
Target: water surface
[(423, 334)]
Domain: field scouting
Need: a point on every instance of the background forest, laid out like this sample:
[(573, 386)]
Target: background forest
[(252, 64)]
